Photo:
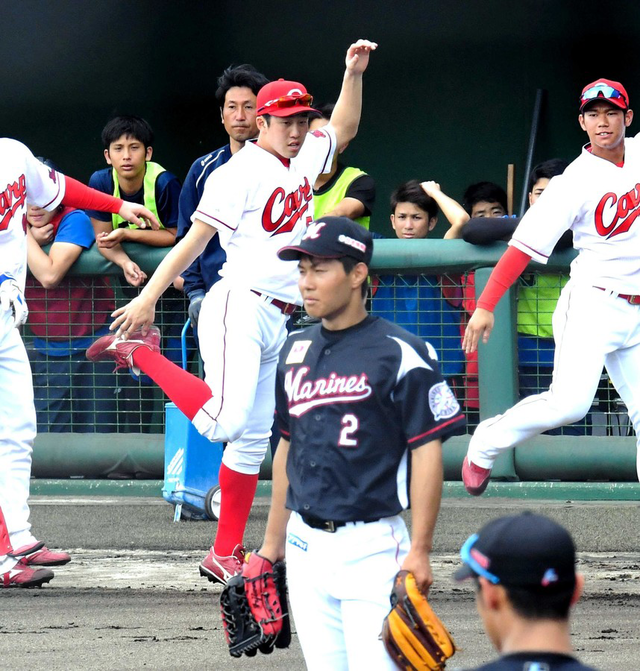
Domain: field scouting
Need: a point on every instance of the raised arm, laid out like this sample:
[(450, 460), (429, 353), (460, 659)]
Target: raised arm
[(454, 213), (346, 113)]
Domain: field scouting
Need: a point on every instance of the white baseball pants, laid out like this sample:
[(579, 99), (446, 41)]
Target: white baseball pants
[(591, 328), (240, 338), (17, 432), (339, 587)]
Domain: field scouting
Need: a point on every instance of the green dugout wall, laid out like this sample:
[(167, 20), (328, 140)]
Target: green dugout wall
[(572, 458)]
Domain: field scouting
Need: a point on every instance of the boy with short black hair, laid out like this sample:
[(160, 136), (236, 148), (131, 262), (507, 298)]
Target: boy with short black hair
[(416, 301), (485, 199), (128, 150)]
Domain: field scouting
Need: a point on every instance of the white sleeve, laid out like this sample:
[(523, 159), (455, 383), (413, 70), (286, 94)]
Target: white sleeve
[(45, 186), (317, 152), (545, 221), (223, 200)]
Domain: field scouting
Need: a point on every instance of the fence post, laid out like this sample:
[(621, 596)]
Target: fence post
[(497, 367)]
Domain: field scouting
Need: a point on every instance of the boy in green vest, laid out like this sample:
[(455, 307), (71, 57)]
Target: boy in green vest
[(128, 150)]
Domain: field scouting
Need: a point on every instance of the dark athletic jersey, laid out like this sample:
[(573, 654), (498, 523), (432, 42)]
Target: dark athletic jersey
[(535, 661), (353, 403)]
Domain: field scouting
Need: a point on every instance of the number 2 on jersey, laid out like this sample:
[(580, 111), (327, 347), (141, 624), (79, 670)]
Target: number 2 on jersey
[(350, 425)]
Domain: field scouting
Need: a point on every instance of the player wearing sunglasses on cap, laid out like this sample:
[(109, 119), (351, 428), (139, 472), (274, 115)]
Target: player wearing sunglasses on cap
[(258, 202), (597, 318)]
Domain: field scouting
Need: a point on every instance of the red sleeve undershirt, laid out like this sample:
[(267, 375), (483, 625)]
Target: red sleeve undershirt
[(85, 198), (506, 272)]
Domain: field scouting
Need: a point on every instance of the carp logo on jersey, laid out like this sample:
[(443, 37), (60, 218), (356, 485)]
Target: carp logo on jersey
[(304, 395), (626, 211), (11, 199), (284, 210)]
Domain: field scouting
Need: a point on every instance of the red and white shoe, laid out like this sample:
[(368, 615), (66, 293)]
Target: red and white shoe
[(220, 569), (475, 477), (121, 351), (40, 555), (25, 576)]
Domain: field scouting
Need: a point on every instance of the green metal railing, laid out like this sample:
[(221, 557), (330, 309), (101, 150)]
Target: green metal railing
[(596, 455)]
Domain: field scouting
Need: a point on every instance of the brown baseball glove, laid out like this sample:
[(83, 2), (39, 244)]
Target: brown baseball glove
[(412, 633)]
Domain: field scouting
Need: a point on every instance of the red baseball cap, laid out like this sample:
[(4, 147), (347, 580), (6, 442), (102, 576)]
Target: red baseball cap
[(284, 98), (605, 89)]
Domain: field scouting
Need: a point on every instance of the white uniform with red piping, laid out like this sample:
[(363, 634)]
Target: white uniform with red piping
[(597, 320), (258, 204), (22, 177)]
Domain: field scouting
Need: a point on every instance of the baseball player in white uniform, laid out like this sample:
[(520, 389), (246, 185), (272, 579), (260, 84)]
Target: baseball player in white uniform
[(258, 202), (24, 178), (597, 319)]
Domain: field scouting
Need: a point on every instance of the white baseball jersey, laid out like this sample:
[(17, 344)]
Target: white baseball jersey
[(259, 205), (22, 177), (600, 203)]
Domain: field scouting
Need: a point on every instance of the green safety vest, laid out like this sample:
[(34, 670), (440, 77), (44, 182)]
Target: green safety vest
[(152, 172), (537, 303), (327, 201)]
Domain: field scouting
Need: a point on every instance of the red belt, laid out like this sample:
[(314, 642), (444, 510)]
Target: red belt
[(634, 299), (285, 308)]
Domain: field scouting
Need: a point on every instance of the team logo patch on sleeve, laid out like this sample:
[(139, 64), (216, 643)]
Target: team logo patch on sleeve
[(442, 402), (298, 351)]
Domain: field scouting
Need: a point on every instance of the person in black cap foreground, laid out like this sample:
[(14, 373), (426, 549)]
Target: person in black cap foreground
[(524, 569), (362, 409)]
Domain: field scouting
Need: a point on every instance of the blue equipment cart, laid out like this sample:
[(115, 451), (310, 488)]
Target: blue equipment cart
[(191, 463)]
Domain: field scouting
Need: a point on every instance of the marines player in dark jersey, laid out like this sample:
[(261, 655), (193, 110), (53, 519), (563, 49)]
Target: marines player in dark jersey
[(363, 410)]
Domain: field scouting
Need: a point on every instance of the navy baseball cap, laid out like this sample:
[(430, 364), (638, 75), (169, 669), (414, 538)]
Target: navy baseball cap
[(331, 238), (527, 550)]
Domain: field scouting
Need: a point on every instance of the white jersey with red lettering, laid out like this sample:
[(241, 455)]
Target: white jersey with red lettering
[(22, 176), (600, 202), (596, 322), (265, 205)]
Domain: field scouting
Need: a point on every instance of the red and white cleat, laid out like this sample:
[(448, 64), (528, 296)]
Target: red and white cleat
[(121, 351), (220, 569), (25, 576), (475, 477)]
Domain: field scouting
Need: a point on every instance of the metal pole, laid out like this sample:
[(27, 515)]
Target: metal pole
[(532, 146)]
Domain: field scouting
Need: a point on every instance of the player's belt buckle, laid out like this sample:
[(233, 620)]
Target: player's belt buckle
[(634, 300), (329, 526)]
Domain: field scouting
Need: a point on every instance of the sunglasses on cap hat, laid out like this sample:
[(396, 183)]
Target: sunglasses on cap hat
[(304, 100), (603, 91), (474, 560)]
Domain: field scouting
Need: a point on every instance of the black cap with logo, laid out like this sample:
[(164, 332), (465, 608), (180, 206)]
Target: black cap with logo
[(527, 550), (331, 238)]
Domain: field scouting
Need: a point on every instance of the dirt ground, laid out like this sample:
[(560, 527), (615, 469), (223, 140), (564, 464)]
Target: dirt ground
[(132, 597)]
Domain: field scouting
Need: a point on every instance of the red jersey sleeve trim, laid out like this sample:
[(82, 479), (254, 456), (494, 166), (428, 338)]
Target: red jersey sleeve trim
[(85, 198), (55, 198), (208, 216), (506, 272), (436, 429)]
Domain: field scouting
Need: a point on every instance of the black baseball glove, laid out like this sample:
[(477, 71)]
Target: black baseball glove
[(254, 607)]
